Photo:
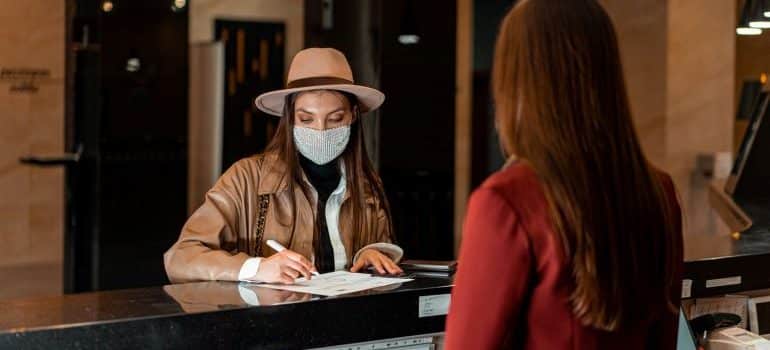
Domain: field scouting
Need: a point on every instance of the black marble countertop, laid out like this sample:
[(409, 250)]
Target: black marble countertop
[(732, 262), (752, 241), (217, 315)]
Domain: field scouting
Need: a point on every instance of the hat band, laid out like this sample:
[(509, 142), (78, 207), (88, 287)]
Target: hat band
[(317, 81)]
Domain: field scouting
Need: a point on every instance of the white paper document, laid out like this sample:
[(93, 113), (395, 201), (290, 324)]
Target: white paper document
[(732, 304), (337, 283)]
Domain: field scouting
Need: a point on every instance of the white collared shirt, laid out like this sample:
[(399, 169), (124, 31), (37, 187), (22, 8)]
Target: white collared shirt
[(332, 212)]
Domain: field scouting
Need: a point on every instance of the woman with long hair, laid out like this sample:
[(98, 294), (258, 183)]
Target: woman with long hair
[(313, 190), (577, 242)]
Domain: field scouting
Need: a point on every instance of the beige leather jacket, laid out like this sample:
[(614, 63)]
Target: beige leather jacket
[(227, 229)]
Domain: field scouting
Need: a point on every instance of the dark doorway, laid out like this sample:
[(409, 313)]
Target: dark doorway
[(254, 64), (412, 48), (417, 139), (127, 114), (487, 156)]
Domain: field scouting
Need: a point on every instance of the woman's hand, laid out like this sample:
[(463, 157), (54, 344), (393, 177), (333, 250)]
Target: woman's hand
[(284, 267), (380, 262), (268, 296)]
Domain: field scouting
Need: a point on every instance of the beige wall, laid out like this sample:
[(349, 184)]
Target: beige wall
[(291, 12), (32, 35), (679, 61), (642, 28), (701, 75)]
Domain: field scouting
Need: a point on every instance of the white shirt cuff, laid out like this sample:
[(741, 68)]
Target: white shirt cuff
[(248, 296), (391, 250), (249, 269)]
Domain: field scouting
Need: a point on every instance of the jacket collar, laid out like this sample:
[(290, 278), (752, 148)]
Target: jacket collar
[(273, 177), (272, 174)]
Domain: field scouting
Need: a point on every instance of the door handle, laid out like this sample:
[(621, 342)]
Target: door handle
[(53, 160)]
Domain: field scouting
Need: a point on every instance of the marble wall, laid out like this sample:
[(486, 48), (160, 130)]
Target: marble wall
[(679, 61), (700, 95), (641, 28), (32, 38)]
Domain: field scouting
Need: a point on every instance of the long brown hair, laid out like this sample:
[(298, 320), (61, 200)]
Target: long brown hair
[(360, 175), (562, 107)]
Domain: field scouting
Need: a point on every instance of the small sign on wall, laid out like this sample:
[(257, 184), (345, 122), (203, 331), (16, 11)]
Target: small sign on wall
[(24, 80)]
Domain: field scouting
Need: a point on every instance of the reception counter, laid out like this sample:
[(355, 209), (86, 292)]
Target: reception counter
[(727, 263), (227, 315)]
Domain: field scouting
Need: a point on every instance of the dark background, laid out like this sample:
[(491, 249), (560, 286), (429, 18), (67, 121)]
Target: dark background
[(126, 197), (416, 122), (246, 128)]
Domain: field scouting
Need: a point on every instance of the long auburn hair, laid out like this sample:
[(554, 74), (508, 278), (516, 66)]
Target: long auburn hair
[(359, 173), (562, 108)]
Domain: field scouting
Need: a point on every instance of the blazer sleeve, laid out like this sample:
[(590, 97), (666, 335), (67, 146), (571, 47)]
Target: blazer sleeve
[(488, 295), (384, 238), (203, 249)]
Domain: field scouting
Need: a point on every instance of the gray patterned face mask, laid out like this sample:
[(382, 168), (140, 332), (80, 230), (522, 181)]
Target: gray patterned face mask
[(321, 146)]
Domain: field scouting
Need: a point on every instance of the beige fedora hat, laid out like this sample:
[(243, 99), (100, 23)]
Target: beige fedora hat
[(319, 69)]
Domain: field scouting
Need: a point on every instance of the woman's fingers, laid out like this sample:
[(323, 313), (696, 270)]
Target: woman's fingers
[(382, 263), (299, 258), (377, 265), (386, 264), (392, 268), (285, 279), (298, 267), (289, 271), (360, 263)]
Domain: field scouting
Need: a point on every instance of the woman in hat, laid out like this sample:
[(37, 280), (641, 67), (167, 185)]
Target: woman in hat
[(313, 190)]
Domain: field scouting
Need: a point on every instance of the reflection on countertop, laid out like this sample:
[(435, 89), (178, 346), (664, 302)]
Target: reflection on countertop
[(170, 300), (754, 240), (699, 247)]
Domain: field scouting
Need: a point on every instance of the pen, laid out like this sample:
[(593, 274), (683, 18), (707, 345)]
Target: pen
[(279, 248)]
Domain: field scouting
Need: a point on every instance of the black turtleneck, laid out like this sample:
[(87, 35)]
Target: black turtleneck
[(325, 179)]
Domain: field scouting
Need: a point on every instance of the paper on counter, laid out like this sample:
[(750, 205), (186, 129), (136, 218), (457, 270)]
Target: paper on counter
[(337, 283), (732, 304)]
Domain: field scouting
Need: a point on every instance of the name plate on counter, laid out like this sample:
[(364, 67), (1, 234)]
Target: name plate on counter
[(723, 282), (433, 305), (686, 288)]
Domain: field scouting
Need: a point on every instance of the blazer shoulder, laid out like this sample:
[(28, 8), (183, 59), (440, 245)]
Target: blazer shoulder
[(518, 185), (266, 172), (253, 162), (260, 165), (514, 180)]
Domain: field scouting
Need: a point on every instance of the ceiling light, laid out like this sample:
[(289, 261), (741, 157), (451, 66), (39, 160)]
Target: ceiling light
[(748, 31), (743, 27), (757, 17), (408, 39), (408, 32), (178, 5), (133, 65), (107, 6)]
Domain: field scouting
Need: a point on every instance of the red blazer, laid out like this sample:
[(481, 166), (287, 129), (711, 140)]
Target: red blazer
[(513, 285)]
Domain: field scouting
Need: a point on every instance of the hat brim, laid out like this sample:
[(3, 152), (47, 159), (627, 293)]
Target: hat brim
[(368, 99)]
